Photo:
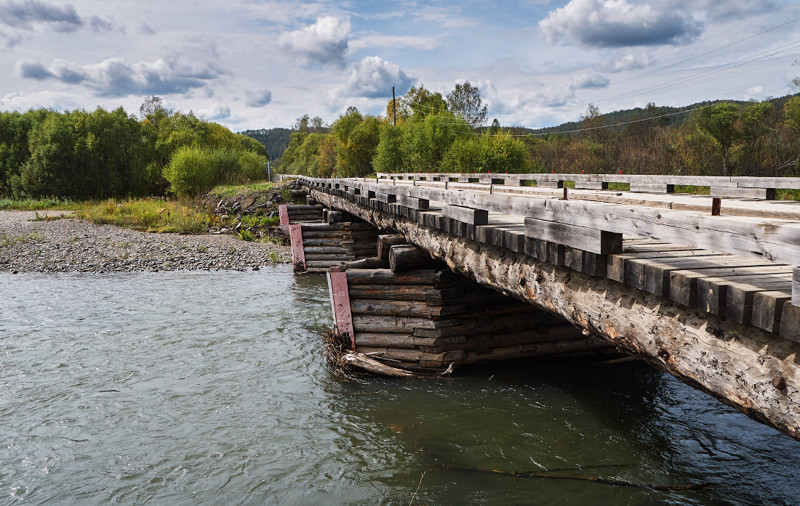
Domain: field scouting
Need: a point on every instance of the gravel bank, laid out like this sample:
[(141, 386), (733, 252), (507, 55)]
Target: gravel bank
[(73, 245)]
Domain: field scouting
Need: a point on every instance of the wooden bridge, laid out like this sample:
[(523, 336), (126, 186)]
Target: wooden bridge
[(705, 287)]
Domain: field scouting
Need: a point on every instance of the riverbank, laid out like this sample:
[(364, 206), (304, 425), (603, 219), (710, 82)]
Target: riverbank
[(70, 244)]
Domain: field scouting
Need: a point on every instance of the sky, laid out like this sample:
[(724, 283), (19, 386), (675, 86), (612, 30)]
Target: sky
[(250, 64)]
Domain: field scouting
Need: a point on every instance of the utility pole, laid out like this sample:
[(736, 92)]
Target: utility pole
[(394, 107), (269, 172)]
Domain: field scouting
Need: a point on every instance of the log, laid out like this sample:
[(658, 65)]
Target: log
[(409, 355), (398, 293), (402, 308), (387, 241), (403, 257), (368, 364), (398, 324), (387, 277), (384, 339), (364, 263)]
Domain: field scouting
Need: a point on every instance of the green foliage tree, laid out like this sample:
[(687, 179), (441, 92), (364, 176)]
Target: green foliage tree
[(465, 101), (389, 152), (719, 121), (356, 154)]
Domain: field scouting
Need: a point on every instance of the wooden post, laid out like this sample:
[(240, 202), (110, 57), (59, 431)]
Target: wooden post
[(283, 212), (716, 206), (340, 304), (298, 256), (796, 286)]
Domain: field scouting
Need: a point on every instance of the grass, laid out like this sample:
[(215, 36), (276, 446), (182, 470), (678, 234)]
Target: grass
[(229, 190), (41, 204), (152, 216)]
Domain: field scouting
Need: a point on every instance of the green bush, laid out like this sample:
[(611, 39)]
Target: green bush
[(191, 171)]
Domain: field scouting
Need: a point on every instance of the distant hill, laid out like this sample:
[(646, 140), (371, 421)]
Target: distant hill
[(627, 115), (275, 140)]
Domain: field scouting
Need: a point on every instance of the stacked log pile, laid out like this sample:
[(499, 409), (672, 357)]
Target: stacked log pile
[(428, 319), (329, 244), (304, 213)]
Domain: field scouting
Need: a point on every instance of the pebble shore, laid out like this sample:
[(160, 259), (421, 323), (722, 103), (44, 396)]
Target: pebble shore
[(74, 245)]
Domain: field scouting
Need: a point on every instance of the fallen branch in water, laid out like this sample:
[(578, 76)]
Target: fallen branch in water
[(594, 479), (414, 495)]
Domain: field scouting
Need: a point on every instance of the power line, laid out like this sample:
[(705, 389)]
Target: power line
[(709, 52)]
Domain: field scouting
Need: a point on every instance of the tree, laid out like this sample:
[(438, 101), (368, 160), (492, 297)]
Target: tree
[(495, 126), (151, 105), (465, 101), (719, 121)]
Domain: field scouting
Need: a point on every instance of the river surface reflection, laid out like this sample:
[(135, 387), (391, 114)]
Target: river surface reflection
[(212, 388)]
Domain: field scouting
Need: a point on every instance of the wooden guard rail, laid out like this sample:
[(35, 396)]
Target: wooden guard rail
[(590, 226), (748, 187)]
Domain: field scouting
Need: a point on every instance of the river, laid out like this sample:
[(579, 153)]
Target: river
[(212, 388)]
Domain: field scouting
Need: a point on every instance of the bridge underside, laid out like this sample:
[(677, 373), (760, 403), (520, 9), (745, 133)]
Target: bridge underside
[(742, 366)]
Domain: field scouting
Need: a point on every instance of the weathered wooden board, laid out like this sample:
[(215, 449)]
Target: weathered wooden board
[(464, 214), (587, 239), (740, 296), (298, 257), (340, 304), (399, 324), (683, 283), (386, 276), (737, 192), (767, 309), (402, 308)]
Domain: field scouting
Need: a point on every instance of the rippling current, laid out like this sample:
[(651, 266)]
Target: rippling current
[(212, 388)]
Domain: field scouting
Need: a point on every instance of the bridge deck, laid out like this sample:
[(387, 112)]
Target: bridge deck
[(741, 266)]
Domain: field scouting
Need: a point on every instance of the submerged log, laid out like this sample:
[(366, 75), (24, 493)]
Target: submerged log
[(366, 363)]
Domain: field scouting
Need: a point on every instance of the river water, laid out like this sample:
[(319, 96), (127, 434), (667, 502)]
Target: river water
[(212, 388)]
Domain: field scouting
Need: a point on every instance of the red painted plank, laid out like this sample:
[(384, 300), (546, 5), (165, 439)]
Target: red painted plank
[(298, 255), (340, 298), (283, 212)]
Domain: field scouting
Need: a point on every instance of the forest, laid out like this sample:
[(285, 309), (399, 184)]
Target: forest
[(103, 154), (426, 132)]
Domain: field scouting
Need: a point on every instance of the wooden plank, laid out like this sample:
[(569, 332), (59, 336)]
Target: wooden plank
[(657, 272), (683, 283), (466, 214), (413, 202), (298, 256), (591, 185), (340, 301), (774, 240), (790, 323), (593, 240), (767, 309), (384, 339), (386, 198), (749, 193), (712, 292), (740, 297), (652, 188)]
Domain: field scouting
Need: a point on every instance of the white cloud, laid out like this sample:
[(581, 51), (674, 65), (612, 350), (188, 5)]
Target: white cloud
[(216, 112), (755, 90), (629, 61), (617, 23), (395, 41), (324, 42), (583, 81), (258, 97), (115, 77), (373, 77)]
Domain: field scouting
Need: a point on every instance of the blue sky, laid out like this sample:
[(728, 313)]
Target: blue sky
[(261, 64)]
